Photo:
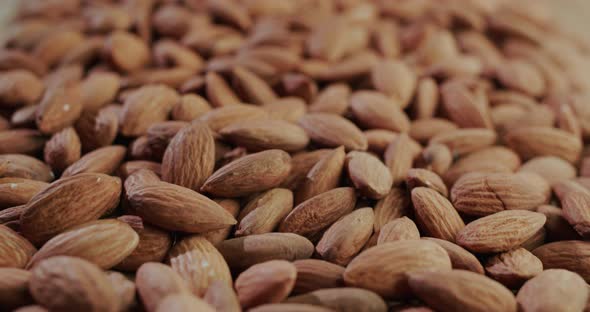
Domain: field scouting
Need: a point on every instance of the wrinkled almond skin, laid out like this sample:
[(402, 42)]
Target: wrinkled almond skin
[(264, 213), (146, 105), (199, 263), (435, 214), (553, 290), (342, 299), (501, 231), (514, 267), (267, 282), (460, 258), (16, 250), (374, 110), (395, 204), (398, 229), (383, 268), (14, 288), (71, 284), (155, 281), (368, 174), (69, 202), (456, 290), (249, 174), (529, 142), (314, 274), (257, 136), (572, 255), (576, 211), (103, 242)]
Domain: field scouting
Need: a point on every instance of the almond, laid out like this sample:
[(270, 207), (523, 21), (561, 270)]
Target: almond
[(103, 160), (145, 106), (422, 130), (514, 267), (399, 229), (571, 255), (287, 108), (389, 263), (379, 139), (257, 136), (491, 159), (155, 281), (107, 83), (435, 215), (267, 282), (18, 87), (249, 174), (199, 263), (395, 204), (126, 51), (374, 110), (396, 80), (301, 164), (464, 107), (160, 134), (176, 208), (342, 299), (332, 131), (425, 178), (220, 118), (319, 212), (190, 157), (333, 100), (217, 236), (222, 297), (190, 107), (153, 246), (25, 167), (65, 283), (14, 288), (16, 250), (264, 213), (218, 92), (553, 290), (63, 149), (530, 142), (460, 258), (463, 141), (461, 290), (253, 88), (183, 302), (98, 129), (289, 307), (18, 191), (368, 174), (68, 202), (427, 98), (399, 158), (576, 211), (243, 252), (557, 226), (102, 242), (500, 231), (314, 274), (346, 237), (323, 176), (59, 108)]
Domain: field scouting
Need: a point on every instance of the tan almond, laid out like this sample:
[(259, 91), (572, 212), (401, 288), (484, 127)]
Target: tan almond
[(14, 288), (427, 98), (530, 142), (319, 212), (190, 107), (395, 204), (396, 80), (399, 158), (257, 136), (500, 231), (199, 263), (333, 130), (102, 242), (314, 274), (222, 297), (325, 175), (218, 91), (333, 100), (422, 130), (249, 174), (456, 290), (176, 208), (342, 299), (463, 141), (286, 108), (425, 178), (145, 106), (16, 250), (346, 237), (59, 108), (222, 117), (63, 149), (18, 191), (553, 290), (301, 164), (126, 51), (124, 289), (379, 139), (399, 229), (243, 252), (103, 160), (18, 87), (264, 213), (267, 282), (460, 258), (437, 157), (26, 167), (390, 263), (368, 174), (255, 90), (570, 255), (155, 281), (513, 268), (464, 107), (491, 159), (435, 214), (89, 196), (374, 110), (183, 302)]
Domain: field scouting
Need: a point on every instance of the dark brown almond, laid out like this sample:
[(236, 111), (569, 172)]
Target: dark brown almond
[(153, 246), (63, 149), (435, 215), (14, 288)]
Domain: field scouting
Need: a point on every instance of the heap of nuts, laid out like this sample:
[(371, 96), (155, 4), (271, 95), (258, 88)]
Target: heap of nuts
[(280, 155)]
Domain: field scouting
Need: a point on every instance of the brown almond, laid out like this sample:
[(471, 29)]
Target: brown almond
[(289, 307), (379, 139), (220, 118), (530, 142), (437, 157), (155, 281), (521, 75), (374, 110), (513, 268), (435, 215), (267, 282), (103, 160), (333, 100), (190, 107), (243, 252), (395, 204), (59, 108), (254, 89), (463, 141), (491, 159), (425, 178), (346, 237), (14, 288), (18, 87), (319, 212), (18, 191), (342, 299), (63, 149), (323, 176), (177, 208), (26, 167), (153, 246), (98, 90), (460, 258), (89, 196), (286, 108), (190, 157), (572, 255), (54, 46), (368, 174), (396, 80), (314, 274), (124, 288), (553, 290), (218, 91), (461, 290), (222, 297), (333, 130), (126, 51), (301, 163), (160, 134), (264, 213), (464, 107), (500, 231), (98, 129), (249, 174), (257, 136), (199, 263), (422, 130), (399, 158), (399, 229), (145, 106), (576, 211), (65, 283), (102, 242), (427, 98), (557, 227), (217, 236), (16, 250), (183, 302), (390, 263)]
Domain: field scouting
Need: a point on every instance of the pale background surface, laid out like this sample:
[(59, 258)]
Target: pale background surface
[(572, 14)]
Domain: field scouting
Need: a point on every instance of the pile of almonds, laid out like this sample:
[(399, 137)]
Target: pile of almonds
[(281, 155)]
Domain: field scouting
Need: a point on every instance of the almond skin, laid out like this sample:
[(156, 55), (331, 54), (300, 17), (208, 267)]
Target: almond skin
[(323, 176), (319, 212), (396, 80), (126, 51), (264, 213), (155, 281), (63, 149), (222, 297), (301, 163), (176, 208), (374, 110), (18, 191), (267, 282), (21, 141), (529, 142), (314, 274), (421, 177), (368, 174), (14, 288), (16, 250), (289, 307), (333, 99), (153, 246), (576, 211), (68, 202), (103, 160), (59, 108), (190, 157), (463, 141), (346, 237), (399, 157), (395, 204), (183, 302), (501, 231), (398, 229), (435, 214), (243, 252), (249, 174), (572, 255), (271, 134), (460, 258), (199, 263), (553, 290), (222, 117), (145, 106), (69, 284), (332, 131), (458, 290), (342, 299), (103, 242), (389, 263), (514, 267)]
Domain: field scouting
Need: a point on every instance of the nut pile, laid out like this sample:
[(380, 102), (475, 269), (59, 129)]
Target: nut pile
[(278, 155)]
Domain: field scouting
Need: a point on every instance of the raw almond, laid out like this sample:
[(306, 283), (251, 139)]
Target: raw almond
[(25, 167), (399, 229), (190, 107), (264, 213), (153, 245), (342, 299), (576, 211), (249, 174), (395, 204), (513, 268), (301, 164), (222, 117), (435, 215), (374, 110), (553, 290), (255, 90), (183, 302), (379, 139), (368, 174), (460, 258), (323, 176), (333, 130), (218, 92), (267, 282), (572, 255), (257, 136), (18, 191), (18, 87), (423, 130), (217, 236), (425, 178), (500, 231), (146, 105), (126, 51), (68, 202), (389, 263), (16, 250), (463, 106), (530, 142), (333, 99), (314, 274), (63, 149), (14, 288), (59, 108), (103, 160), (491, 159), (396, 80), (155, 281), (463, 141), (399, 157)]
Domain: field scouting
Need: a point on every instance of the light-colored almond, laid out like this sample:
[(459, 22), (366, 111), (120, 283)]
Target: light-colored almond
[(267, 282), (368, 174), (333, 130), (553, 290)]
